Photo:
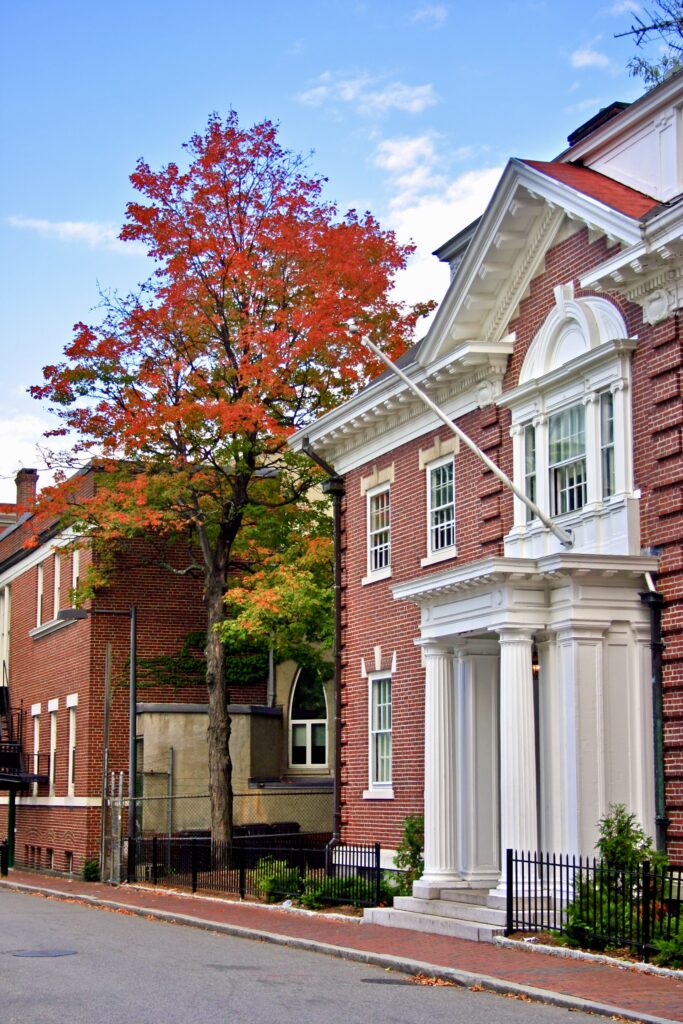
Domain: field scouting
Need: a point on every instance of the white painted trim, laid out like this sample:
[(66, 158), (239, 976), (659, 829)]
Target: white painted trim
[(439, 556), (379, 794), (35, 709), (374, 577), (53, 705), (72, 700), (36, 556), (49, 627), (55, 801)]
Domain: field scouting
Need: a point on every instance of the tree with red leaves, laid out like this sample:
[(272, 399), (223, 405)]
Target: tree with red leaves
[(187, 391)]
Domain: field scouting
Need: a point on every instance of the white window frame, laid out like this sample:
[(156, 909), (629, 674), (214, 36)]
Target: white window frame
[(439, 554), (72, 704), (384, 571), (379, 788), (39, 594), (52, 768), (308, 766), (75, 568), (5, 619), (35, 714), (57, 589)]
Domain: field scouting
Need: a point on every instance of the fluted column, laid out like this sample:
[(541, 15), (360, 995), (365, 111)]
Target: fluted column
[(440, 812), (518, 799)]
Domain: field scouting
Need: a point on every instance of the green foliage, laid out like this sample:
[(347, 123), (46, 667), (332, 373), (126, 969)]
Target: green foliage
[(277, 880), (670, 951), (662, 24), (607, 906), (354, 891), (623, 842), (409, 855), (90, 870), (245, 663)]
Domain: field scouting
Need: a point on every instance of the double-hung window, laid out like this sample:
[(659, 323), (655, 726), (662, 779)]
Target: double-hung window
[(441, 498), (379, 531), (380, 731), (567, 460)]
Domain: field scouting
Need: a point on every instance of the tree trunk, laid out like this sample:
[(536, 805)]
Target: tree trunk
[(220, 765)]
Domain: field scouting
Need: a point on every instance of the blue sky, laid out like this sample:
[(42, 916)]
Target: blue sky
[(411, 109)]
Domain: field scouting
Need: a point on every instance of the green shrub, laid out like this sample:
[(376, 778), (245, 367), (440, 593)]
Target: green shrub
[(623, 842), (90, 870), (354, 891), (277, 880), (670, 951), (409, 855)]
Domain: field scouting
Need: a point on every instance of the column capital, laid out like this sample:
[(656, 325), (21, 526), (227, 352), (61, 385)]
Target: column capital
[(435, 648), (516, 634), (580, 629)]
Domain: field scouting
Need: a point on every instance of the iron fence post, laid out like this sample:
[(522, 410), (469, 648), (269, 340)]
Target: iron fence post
[(508, 893), (645, 881), (193, 863), (378, 879), (154, 860), (131, 859), (4, 857), (242, 883)]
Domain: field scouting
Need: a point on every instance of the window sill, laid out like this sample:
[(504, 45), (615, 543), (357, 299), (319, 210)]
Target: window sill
[(439, 556), (373, 577), (48, 627), (379, 794)]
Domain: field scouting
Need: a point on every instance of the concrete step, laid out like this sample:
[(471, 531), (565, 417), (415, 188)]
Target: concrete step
[(478, 897), (452, 909), (389, 917)]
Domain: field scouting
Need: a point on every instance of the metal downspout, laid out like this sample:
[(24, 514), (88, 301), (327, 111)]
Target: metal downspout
[(334, 486), (654, 600)]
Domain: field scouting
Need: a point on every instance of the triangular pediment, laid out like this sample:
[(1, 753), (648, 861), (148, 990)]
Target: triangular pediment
[(530, 211)]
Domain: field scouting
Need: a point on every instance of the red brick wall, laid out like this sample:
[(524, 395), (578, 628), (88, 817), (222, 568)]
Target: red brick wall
[(484, 515)]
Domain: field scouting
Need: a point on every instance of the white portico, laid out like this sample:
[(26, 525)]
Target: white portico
[(537, 708)]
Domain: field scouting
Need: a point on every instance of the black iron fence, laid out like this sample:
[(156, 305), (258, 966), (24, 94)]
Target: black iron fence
[(592, 903), (274, 867)]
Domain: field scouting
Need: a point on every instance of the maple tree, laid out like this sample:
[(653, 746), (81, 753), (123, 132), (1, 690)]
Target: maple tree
[(187, 390)]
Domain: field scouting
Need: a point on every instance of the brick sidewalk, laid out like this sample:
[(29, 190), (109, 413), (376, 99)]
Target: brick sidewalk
[(605, 988)]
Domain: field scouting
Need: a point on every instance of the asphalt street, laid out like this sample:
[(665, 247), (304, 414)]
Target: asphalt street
[(114, 967)]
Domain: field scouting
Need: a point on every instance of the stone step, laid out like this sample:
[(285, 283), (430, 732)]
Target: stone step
[(451, 909), (478, 897), (389, 917)]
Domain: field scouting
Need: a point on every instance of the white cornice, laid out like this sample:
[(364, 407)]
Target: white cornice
[(611, 570), (387, 413)]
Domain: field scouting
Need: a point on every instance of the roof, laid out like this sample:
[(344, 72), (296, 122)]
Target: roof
[(598, 186)]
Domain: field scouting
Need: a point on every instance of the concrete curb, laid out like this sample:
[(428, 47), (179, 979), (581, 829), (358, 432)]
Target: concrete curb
[(465, 979), (566, 953)]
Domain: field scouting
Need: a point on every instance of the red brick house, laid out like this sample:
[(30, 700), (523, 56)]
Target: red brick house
[(63, 731), (494, 677)]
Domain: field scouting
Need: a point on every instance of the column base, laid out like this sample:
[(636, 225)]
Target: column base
[(429, 888)]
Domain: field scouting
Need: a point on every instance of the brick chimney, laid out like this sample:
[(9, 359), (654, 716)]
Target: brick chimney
[(27, 483)]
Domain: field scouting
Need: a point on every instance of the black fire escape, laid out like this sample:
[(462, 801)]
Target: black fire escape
[(15, 774)]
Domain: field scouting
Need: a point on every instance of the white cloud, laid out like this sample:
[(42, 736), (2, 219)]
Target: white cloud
[(369, 95), (428, 206), (435, 14), (94, 234), (625, 7), (20, 436), (588, 57)]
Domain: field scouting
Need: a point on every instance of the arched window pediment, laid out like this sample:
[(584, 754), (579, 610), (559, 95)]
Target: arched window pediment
[(572, 328)]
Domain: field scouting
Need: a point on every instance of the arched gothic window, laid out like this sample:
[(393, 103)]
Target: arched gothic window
[(308, 722)]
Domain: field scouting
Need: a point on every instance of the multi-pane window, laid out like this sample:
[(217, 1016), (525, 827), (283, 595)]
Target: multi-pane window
[(607, 443), (530, 466), (380, 731), (39, 596), (308, 722), (441, 506), (567, 460), (57, 591), (379, 530), (53, 752), (75, 568), (71, 782)]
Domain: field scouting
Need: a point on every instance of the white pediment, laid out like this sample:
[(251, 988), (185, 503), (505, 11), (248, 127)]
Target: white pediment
[(528, 213)]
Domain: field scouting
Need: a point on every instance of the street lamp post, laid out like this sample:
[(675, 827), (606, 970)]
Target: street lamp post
[(70, 615)]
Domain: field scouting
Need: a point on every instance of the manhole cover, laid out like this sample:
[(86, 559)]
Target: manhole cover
[(45, 952)]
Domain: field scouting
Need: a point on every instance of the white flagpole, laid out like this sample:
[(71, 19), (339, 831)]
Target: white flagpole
[(565, 538)]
